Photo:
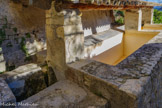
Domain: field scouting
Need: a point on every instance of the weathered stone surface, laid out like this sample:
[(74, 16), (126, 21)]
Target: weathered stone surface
[(96, 21), (65, 94), (147, 16), (135, 82), (6, 95), (133, 19), (41, 57), (25, 80), (65, 31), (65, 41), (21, 23), (51, 76)]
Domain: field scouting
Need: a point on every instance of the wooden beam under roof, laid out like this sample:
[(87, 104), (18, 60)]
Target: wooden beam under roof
[(102, 5), (82, 6)]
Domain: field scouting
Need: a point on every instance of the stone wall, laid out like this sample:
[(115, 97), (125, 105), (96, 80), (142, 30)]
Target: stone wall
[(133, 19), (151, 96), (96, 21), (22, 32), (147, 16), (133, 83), (65, 31)]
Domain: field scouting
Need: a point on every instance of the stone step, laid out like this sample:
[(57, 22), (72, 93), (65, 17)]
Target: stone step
[(65, 94)]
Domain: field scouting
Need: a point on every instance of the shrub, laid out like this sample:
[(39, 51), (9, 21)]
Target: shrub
[(23, 46), (157, 16)]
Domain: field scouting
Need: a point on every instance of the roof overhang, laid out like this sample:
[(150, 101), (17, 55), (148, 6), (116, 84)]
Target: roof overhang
[(90, 4)]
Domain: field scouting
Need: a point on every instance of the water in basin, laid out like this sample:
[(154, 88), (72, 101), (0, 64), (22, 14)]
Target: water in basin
[(131, 41)]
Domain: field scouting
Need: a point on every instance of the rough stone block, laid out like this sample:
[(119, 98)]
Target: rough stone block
[(147, 16), (41, 56), (66, 94), (25, 81), (6, 95), (133, 19)]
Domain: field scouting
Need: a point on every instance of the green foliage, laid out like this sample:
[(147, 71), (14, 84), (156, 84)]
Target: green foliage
[(6, 23), (28, 58), (15, 29), (119, 17), (2, 35), (23, 46), (1, 72), (157, 16), (119, 13), (28, 35), (120, 21), (10, 68)]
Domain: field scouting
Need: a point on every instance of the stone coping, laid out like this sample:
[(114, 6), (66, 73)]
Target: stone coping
[(21, 72), (131, 74)]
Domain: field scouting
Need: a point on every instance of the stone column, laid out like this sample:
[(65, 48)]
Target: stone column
[(133, 19), (147, 16), (65, 38)]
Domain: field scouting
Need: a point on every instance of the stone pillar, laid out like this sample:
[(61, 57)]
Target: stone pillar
[(65, 38), (147, 16), (133, 19)]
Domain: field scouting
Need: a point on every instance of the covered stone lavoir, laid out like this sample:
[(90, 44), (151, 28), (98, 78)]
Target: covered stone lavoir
[(89, 62)]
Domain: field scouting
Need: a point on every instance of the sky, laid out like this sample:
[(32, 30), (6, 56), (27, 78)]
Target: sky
[(154, 0)]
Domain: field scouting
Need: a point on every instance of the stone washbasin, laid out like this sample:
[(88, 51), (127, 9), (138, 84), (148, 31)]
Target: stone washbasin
[(129, 43), (152, 27)]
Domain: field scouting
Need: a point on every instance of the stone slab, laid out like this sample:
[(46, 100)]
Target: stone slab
[(66, 94)]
